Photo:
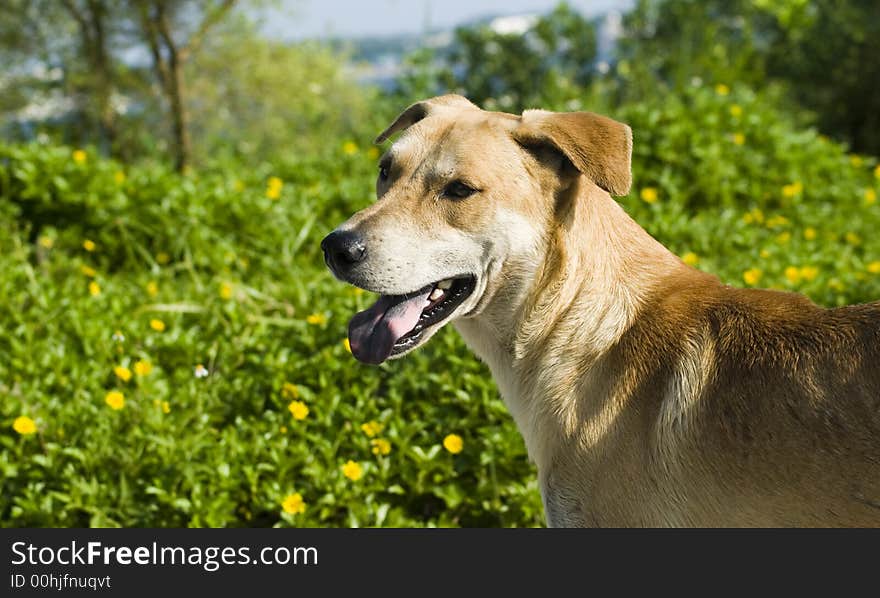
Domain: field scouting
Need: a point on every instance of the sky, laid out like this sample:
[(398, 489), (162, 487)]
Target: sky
[(305, 19)]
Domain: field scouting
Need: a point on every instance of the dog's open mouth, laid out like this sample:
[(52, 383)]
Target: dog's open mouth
[(397, 323)]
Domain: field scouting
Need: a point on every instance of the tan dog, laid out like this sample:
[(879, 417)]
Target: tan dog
[(648, 393)]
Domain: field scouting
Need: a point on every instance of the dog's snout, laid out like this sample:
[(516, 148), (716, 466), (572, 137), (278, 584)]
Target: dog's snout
[(343, 248)]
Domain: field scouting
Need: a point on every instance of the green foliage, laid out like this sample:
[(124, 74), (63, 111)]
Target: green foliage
[(512, 71), (824, 51), (241, 288), (252, 98), (743, 188), (673, 41)]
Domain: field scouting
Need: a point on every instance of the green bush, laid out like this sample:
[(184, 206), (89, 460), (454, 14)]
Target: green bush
[(238, 282), (228, 260), (739, 185)]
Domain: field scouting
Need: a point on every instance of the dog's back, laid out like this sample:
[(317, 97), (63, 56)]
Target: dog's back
[(772, 403)]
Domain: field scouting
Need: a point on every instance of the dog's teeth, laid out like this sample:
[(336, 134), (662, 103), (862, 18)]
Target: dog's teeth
[(435, 294), (445, 284)]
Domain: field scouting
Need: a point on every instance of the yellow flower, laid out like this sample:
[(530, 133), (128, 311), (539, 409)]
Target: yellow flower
[(752, 276), (809, 233), (89, 245), (453, 443), (289, 391), (764, 254), (809, 273), (793, 274), (353, 471), (777, 221), (316, 319), (225, 290), (755, 215), (649, 195), (736, 111), (79, 156), (115, 400), (877, 172), (273, 187), (24, 425), (47, 242), (739, 138), (874, 267), (166, 407), (373, 153), (90, 272), (852, 238), (152, 288), (298, 410), (94, 289), (372, 428), (157, 325), (690, 258), (380, 446), (349, 148), (346, 344), (855, 160), (792, 189), (122, 372), (783, 238), (870, 196), (162, 258), (835, 285), (283, 429), (721, 89), (119, 177), (294, 504), (142, 367)]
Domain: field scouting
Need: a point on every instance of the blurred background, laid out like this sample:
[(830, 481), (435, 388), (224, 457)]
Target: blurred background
[(173, 351)]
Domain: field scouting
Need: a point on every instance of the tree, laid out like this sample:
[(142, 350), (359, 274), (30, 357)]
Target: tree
[(830, 56), (826, 53), (93, 19), (273, 95), (164, 26), (74, 38), (546, 64)]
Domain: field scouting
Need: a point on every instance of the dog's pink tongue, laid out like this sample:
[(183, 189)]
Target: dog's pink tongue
[(373, 332)]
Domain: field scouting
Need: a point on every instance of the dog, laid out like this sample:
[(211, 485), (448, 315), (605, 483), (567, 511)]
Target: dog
[(648, 393)]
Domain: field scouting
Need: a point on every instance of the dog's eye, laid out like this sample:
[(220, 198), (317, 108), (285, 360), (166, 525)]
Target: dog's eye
[(383, 173), (458, 190)]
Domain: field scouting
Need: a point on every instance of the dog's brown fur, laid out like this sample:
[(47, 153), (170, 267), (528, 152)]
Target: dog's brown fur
[(648, 393)]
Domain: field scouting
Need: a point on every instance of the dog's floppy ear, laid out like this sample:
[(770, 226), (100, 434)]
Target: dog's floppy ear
[(420, 110), (599, 147)]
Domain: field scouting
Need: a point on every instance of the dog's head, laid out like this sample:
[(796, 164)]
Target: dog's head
[(467, 200)]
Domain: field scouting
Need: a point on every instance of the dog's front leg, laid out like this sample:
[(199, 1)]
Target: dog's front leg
[(562, 505)]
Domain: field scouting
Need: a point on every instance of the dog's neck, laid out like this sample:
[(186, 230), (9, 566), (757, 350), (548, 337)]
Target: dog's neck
[(595, 272)]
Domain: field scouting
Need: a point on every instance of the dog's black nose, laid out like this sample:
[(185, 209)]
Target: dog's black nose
[(343, 248)]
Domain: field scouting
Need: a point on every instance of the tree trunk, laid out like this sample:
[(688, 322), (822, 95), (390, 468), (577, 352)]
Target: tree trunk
[(91, 24), (175, 89), (179, 121), (103, 76), (169, 58)]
